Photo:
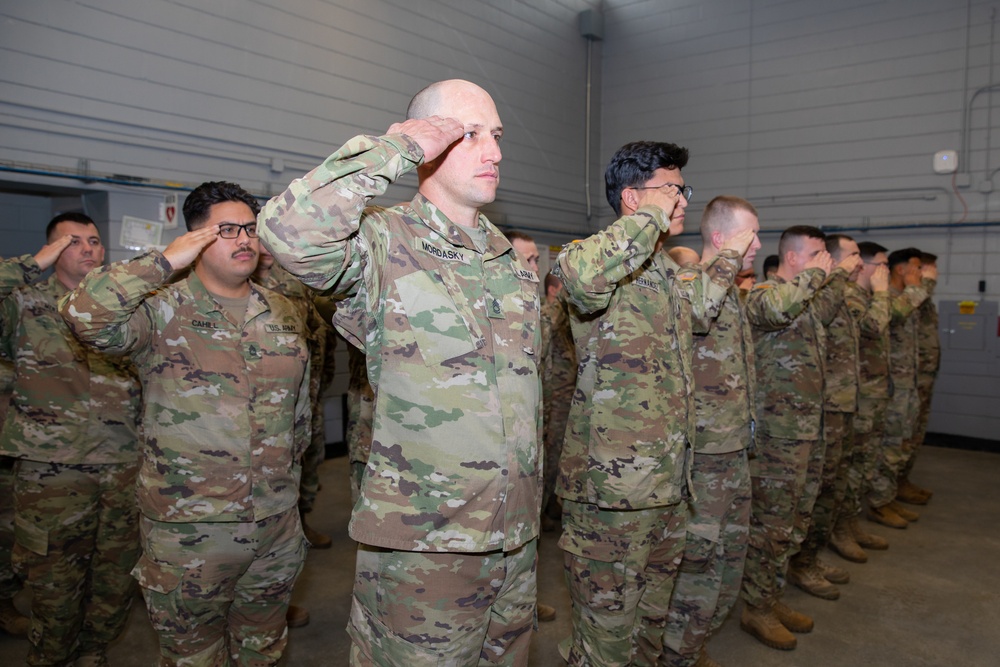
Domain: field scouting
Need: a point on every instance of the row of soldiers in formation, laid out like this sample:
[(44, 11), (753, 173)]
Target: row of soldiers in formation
[(702, 425)]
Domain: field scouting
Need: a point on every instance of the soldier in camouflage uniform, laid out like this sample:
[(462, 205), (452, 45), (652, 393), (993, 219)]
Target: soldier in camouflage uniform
[(840, 390), (11, 620), (928, 362), (709, 580), (787, 313), (868, 300), (558, 385), (224, 370), (447, 315), (625, 459), (72, 426), (909, 287)]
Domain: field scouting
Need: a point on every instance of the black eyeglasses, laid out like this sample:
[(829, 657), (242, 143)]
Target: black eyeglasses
[(232, 231), (685, 190)]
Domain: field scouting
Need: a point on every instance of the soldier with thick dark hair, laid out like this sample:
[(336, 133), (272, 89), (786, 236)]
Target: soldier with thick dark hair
[(625, 456), (224, 370)]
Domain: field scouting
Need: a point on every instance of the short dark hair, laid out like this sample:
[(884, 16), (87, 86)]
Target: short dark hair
[(516, 235), (551, 281), (797, 232), (770, 262), (928, 257), (869, 249), (72, 216), (633, 164), (199, 203), (902, 256), (833, 242)]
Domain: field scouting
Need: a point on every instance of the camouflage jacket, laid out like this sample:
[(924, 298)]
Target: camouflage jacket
[(632, 416), (843, 338), (928, 335), (871, 312), (725, 381), (788, 320), (904, 310), (451, 335), (69, 404), (558, 361), (226, 414)]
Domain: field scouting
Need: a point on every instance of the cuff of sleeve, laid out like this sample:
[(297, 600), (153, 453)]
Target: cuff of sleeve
[(406, 146), (658, 215), (29, 267)]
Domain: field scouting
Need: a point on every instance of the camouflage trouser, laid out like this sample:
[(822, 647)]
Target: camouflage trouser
[(925, 392), (219, 592), (778, 481), (900, 415), (620, 568), (417, 609), (75, 544), (10, 585), (869, 427), (838, 436), (710, 574)]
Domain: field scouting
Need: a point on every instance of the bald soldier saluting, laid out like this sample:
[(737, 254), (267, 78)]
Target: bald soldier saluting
[(447, 315)]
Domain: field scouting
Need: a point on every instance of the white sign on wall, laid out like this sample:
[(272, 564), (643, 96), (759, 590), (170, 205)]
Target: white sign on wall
[(139, 234)]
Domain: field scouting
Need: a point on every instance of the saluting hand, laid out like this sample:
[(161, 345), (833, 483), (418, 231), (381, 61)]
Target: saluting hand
[(821, 260), (740, 242), (50, 252), (433, 134), (880, 279), (183, 250), (664, 197), (849, 263), (929, 271), (911, 275)]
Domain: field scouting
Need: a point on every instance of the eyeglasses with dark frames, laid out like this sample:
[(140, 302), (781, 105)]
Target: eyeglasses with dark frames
[(685, 190), (232, 230)]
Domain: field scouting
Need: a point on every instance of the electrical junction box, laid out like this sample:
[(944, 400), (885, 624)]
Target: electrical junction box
[(945, 162)]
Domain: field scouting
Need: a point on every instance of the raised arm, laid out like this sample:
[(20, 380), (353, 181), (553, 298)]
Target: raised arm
[(311, 228)]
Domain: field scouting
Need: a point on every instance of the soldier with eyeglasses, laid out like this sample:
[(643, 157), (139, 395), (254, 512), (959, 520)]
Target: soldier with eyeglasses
[(224, 369)]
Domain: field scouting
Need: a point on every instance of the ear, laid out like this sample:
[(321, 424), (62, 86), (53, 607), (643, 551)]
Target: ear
[(717, 240), (629, 200)]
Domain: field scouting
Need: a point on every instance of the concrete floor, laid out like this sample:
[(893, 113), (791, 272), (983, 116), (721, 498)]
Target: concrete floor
[(932, 599)]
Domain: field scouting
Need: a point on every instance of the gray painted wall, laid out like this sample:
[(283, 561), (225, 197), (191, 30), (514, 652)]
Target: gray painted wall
[(828, 113), (260, 91)]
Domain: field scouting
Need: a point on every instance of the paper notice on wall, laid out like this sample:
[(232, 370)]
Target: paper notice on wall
[(139, 234)]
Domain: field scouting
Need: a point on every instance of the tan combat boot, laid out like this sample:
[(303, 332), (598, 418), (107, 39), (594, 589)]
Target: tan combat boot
[(317, 540), (865, 539), (793, 620), (842, 542), (765, 626), (811, 580), (885, 516), (908, 492), (12, 621), (902, 512), (832, 573)]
